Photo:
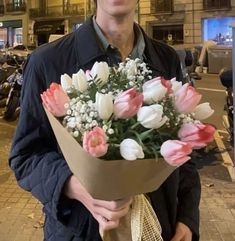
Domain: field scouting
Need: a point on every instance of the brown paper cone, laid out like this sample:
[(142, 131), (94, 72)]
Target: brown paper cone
[(109, 180)]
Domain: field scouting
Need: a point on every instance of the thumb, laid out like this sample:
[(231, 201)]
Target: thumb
[(178, 236)]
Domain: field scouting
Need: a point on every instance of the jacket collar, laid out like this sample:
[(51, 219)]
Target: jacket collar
[(152, 57), (88, 49), (87, 45)]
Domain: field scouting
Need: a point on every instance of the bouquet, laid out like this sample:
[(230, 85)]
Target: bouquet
[(129, 126)]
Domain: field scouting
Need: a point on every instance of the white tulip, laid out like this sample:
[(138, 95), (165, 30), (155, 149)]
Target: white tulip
[(203, 111), (79, 80), (176, 85), (100, 70), (66, 81), (151, 116), (153, 91), (104, 105), (130, 150)]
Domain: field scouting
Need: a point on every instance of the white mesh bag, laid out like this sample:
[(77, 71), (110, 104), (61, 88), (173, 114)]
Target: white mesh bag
[(140, 224)]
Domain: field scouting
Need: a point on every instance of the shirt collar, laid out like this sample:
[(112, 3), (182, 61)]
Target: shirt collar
[(104, 42), (138, 50)]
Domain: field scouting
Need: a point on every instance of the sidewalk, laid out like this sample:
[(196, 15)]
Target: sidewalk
[(217, 207), (20, 214), (21, 218)]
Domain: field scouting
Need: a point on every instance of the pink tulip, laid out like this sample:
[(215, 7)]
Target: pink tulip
[(175, 152), (128, 103), (197, 135), (154, 91), (186, 99), (54, 99), (94, 142), (167, 84)]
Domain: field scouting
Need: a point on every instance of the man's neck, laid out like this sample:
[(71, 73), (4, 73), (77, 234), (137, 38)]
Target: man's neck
[(119, 34)]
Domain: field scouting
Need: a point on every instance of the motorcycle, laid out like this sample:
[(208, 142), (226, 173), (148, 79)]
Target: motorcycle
[(226, 79), (5, 71), (12, 107)]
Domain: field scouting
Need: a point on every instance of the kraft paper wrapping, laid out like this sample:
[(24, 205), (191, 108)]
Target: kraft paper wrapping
[(109, 180)]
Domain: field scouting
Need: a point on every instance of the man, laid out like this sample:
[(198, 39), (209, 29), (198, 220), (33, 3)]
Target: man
[(71, 214)]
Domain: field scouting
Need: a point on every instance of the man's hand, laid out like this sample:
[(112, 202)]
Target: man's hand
[(107, 213), (182, 233)]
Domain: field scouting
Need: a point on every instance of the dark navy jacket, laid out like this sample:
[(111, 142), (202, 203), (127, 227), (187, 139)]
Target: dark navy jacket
[(39, 166)]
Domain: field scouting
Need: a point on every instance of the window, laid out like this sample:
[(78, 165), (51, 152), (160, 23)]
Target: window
[(216, 4), (171, 34), (1, 8), (15, 5), (161, 6), (18, 3)]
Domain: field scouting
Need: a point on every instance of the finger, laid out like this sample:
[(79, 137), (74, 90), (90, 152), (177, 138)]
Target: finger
[(107, 224), (187, 237), (177, 237), (113, 205), (183, 233), (111, 215)]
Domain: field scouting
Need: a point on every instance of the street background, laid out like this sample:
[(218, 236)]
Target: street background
[(21, 218)]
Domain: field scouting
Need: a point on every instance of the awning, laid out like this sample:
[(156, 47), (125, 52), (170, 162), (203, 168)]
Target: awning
[(47, 27), (11, 24)]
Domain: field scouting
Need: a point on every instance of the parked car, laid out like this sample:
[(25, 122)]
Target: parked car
[(20, 50)]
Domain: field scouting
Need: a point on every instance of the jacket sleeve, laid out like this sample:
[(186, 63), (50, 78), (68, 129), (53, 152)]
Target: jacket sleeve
[(189, 194), (35, 157)]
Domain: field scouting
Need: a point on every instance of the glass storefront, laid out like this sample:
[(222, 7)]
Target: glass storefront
[(11, 33), (218, 30), (18, 37), (3, 37)]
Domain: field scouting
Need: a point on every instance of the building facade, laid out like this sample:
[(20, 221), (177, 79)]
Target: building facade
[(57, 17), (31, 22), (188, 22), (13, 15)]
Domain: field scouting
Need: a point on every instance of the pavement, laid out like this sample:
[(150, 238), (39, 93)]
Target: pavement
[(21, 218)]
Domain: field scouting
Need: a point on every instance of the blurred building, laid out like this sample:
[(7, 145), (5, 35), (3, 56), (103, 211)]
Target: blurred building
[(13, 16), (187, 22), (32, 22)]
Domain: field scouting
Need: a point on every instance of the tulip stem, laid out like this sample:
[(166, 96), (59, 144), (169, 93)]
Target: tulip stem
[(145, 134), (116, 145), (138, 137), (135, 125)]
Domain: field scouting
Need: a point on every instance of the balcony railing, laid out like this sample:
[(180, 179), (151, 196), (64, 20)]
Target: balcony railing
[(58, 11), (48, 12), (216, 4), (11, 7), (74, 9)]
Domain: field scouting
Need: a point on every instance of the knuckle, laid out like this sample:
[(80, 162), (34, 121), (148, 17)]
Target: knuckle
[(112, 216), (113, 205)]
